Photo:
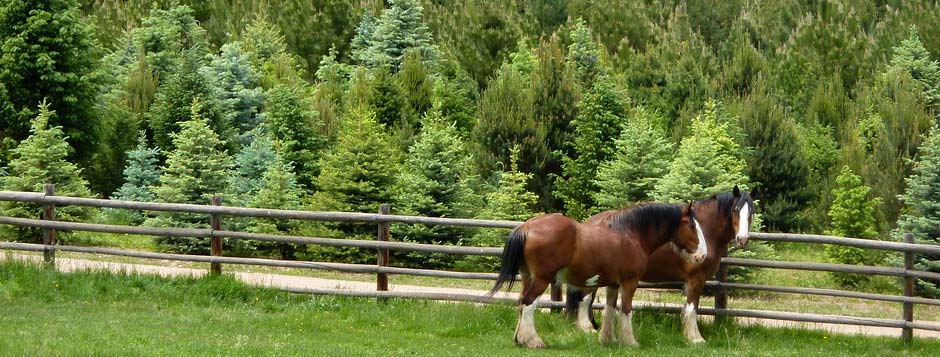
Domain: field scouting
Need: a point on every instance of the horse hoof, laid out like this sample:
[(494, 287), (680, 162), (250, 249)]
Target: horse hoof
[(631, 344), (535, 344), (697, 341)]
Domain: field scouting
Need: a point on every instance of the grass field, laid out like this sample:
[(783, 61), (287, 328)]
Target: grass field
[(45, 312)]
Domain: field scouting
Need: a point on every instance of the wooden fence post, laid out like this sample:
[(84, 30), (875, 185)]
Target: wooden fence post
[(216, 242), (721, 294), (48, 234), (907, 333), (381, 280)]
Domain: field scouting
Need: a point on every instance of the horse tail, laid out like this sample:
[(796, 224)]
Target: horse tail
[(512, 259)]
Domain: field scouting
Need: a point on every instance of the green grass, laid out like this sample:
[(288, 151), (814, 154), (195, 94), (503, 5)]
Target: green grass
[(44, 312)]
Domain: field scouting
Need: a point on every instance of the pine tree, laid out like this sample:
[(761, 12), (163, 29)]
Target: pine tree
[(434, 183), (397, 32), (250, 165), (356, 176), (278, 190), (48, 55), (641, 157), (510, 201), (853, 213), (240, 92), (455, 96), (921, 214), (294, 125), (141, 173), (173, 104), (42, 159), (708, 161), (911, 57), (198, 169)]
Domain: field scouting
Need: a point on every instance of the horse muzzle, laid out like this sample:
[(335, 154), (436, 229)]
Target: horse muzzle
[(740, 241)]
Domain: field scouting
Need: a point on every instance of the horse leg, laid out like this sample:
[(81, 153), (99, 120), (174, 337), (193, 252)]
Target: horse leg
[(607, 327), (693, 291), (627, 289), (526, 336), (585, 321)]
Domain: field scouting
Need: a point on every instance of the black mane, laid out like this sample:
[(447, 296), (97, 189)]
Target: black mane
[(726, 202), (647, 216)]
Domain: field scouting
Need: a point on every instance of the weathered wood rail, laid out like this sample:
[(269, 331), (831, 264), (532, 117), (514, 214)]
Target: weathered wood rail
[(383, 218)]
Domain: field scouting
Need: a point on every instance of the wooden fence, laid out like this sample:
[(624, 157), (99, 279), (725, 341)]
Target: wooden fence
[(383, 218)]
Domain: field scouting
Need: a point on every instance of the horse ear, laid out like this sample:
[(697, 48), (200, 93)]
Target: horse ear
[(736, 191), (687, 210)]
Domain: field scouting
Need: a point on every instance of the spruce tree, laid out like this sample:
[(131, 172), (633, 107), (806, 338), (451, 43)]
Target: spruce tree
[(357, 175), (853, 213), (48, 55), (708, 161), (141, 173), (433, 182), (278, 190), (640, 158), (510, 201), (294, 124), (921, 209), (250, 164), (42, 159), (198, 169), (396, 32), (240, 92), (911, 57)]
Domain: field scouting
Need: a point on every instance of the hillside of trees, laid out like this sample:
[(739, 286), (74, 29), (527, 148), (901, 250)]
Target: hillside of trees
[(826, 111)]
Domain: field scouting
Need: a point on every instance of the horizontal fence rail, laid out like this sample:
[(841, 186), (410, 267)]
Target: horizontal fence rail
[(49, 201)]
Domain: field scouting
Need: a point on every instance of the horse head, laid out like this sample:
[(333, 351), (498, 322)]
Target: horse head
[(689, 239), (742, 213)]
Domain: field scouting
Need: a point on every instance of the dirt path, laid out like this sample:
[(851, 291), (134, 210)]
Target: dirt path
[(300, 282)]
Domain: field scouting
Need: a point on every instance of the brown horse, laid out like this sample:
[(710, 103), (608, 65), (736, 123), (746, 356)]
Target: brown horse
[(553, 247), (723, 217)]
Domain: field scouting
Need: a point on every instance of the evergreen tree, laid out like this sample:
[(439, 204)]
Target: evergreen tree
[(294, 126), (250, 165), (198, 169), (397, 32), (510, 201), (40, 159), (278, 190), (911, 57), (708, 161), (48, 55), (775, 166), (641, 157), (141, 173), (433, 183), (173, 104), (240, 92), (455, 96), (853, 213), (921, 214), (356, 176)]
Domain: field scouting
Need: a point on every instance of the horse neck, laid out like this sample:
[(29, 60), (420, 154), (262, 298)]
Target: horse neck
[(652, 242)]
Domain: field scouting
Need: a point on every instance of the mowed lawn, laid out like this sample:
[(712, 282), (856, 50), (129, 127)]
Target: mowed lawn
[(45, 312)]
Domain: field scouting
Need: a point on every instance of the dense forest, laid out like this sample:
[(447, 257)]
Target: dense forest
[(824, 110)]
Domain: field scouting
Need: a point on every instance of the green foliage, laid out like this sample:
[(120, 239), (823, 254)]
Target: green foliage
[(853, 214), (294, 124), (708, 161), (641, 157), (198, 169), (356, 176), (911, 57), (455, 96), (509, 200), (250, 165), (42, 159), (921, 214), (776, 167), (278, 190), (240, 93), (433, 182), (48, 55), (174, 99), (396, 33), (141, 173)]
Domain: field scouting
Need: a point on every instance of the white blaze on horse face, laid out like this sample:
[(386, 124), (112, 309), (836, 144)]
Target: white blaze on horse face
[(702, 252), (743, 223), (592, 281)]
